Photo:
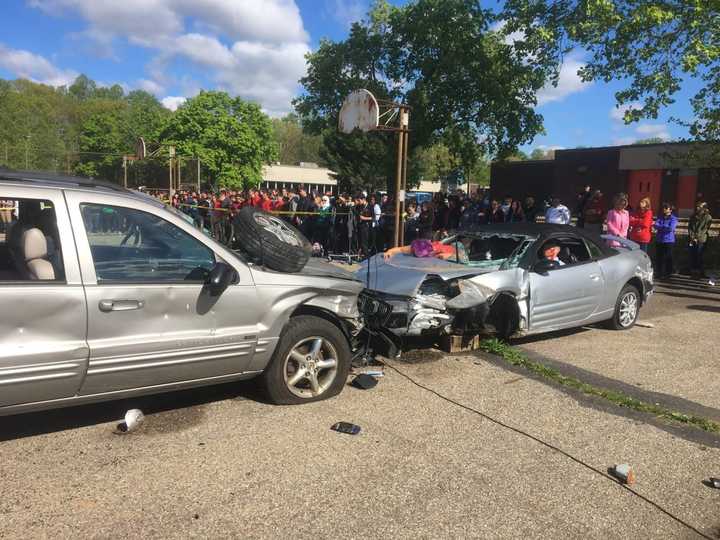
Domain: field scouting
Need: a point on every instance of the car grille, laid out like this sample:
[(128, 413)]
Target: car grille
[(375, 311)]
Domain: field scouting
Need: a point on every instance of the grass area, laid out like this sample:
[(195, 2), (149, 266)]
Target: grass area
[(516, 358)]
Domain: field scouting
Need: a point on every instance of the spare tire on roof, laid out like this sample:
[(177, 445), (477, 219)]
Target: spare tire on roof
[(271, 240)]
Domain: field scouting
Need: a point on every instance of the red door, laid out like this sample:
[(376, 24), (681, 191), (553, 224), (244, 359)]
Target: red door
[(645, 183)]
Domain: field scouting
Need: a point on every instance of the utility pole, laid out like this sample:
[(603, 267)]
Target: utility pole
[(27, 152), (125, 172), (171, 151), (178, 173), (198, 175)]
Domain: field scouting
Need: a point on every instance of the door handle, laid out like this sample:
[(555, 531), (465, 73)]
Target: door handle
[(120, 305), (595, 277)]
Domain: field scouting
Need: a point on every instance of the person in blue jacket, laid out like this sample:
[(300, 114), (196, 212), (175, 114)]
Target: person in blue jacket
[(665, 225)]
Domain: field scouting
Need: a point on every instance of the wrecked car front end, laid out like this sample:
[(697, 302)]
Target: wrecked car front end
[(433, 296)]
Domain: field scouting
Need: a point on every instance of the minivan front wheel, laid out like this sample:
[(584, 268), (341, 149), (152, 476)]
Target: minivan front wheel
[(311, 362)]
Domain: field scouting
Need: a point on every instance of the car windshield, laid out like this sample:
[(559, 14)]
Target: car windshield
[(490, 250)]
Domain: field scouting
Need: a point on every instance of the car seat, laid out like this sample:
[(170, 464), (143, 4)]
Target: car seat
[(567, 256), (34, 247)]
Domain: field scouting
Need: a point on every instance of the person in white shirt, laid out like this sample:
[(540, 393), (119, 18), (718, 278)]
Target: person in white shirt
[(557, 213), (551, 251)]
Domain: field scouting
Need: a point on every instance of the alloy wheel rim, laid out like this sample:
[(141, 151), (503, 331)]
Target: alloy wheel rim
[(310, 367), (628, 309), (278, 228)]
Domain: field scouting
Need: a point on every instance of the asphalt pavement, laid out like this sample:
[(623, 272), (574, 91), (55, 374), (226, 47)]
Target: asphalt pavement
[(218, 462)]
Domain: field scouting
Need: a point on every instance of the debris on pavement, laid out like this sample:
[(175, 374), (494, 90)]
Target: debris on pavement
[(643, 324), (364, 381), (346, 427), (624, 473), (133, 419), (714, 482)]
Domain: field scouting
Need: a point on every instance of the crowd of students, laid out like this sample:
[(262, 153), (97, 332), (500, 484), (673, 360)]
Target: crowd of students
[(364, 224), (640, 224)]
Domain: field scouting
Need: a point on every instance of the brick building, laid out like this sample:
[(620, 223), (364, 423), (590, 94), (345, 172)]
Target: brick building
[(670, 172)]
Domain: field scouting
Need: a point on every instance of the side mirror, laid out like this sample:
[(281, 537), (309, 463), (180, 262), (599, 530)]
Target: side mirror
[(220, 278), (543, 266)]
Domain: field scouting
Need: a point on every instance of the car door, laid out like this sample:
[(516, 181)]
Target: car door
[(43, 317), (568, 295), (151, 319)]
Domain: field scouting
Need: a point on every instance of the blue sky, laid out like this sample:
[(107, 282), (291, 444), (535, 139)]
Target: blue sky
[(252, 48)]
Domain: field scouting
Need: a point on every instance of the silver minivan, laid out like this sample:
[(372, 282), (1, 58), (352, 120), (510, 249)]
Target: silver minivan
[(108, 293)]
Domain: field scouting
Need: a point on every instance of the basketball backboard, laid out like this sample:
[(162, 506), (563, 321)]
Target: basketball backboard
[(360, 110)]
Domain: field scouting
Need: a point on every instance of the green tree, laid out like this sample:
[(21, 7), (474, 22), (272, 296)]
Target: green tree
[(233, 138), (468, 88), (294, 145), (35, 125), (651, 140), (539, 153), (652, 46), (103, 140)]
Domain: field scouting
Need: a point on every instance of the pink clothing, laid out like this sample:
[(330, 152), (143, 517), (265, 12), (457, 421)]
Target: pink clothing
[(618, 222)]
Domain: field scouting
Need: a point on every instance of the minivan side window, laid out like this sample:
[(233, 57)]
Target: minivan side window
[(29, 241), (132, 246)]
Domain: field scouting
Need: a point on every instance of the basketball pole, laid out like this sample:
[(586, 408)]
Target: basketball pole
[(405, 132), (398, 187)]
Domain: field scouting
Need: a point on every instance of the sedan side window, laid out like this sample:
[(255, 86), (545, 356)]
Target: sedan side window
[(565, 251), (595, 251), (573, 251), (132, 246)]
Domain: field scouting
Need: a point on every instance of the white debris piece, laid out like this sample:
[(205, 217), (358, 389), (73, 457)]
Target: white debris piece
[(133, 419)]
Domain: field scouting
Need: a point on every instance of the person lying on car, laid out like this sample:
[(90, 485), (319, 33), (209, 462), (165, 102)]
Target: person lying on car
[(454, 252)]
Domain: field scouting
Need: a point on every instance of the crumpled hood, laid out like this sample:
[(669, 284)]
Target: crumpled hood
[(317, 267), (402, 275)]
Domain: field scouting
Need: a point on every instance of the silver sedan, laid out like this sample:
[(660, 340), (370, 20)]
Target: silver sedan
[(504, 282)]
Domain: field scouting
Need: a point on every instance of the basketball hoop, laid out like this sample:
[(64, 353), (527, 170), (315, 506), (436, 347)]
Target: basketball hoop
[(140, 149), (360, 110)]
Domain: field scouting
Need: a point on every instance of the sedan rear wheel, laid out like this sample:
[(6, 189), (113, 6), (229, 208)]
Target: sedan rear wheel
[(627, 309), (311, 362)]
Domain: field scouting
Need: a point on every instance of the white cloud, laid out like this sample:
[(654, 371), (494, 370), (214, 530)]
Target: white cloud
[(509, 39), (645, 131), (569, 83), (347, 12), (150, 86), (255, 49), (547, 148), (28, 65), (617, 113), (651, 131), (172, 102)]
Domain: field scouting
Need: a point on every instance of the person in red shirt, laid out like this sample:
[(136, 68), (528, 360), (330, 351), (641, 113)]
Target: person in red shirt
[(641, 221), (265, 202)]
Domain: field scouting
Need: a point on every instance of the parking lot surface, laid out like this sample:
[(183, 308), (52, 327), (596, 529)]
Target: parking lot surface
[(217, 462)]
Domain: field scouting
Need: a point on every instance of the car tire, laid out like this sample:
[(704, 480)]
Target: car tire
[(505, 317), (271, 241), (627, 309), (295, 354)]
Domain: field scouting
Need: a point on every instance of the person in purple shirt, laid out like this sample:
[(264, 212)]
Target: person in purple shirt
[(665, 225)]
